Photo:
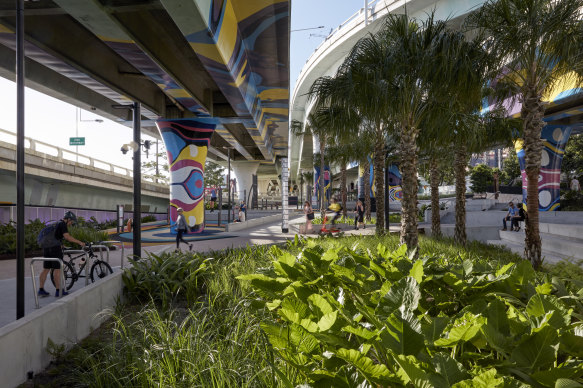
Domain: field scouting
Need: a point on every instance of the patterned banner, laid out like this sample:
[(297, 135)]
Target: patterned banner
[(187, 142)]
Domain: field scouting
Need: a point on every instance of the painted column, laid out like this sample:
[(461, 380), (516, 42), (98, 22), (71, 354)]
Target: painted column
[(244, 172), (394, 183), (187, 142), (554, 139), (284, 196)]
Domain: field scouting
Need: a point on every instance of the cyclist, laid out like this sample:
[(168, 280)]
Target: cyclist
[(334, 210), (61, 232)]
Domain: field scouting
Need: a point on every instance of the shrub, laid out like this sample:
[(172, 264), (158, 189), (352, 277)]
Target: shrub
[(360, 317)]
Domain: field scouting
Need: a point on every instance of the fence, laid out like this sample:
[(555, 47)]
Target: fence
[(47, 213)]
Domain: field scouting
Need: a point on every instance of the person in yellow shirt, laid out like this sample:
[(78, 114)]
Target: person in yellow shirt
[(334, 210)]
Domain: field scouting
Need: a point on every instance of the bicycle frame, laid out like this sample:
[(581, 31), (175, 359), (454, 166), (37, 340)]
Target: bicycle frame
[(71, 260)]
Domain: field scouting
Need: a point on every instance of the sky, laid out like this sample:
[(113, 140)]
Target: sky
[(54, 122)]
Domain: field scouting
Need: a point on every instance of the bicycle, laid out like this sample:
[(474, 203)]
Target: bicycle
[(99, 269)]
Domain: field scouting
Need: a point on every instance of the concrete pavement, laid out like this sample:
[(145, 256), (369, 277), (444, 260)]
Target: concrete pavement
[(259, 235)]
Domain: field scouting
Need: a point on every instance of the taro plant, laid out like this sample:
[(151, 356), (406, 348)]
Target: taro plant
[(347, 317)]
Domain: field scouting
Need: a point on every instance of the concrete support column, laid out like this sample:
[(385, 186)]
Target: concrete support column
[(244, 172), (187, 142), (554, 139), (284, 195)]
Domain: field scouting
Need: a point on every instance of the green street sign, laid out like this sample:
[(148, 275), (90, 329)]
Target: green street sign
[(76, 141)]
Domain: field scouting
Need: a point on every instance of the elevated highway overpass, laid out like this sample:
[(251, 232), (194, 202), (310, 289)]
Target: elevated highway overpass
[(564, 110)]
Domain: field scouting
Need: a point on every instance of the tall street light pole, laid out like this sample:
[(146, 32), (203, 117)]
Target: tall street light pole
[(137, 229), (19, 159), (229, 183)]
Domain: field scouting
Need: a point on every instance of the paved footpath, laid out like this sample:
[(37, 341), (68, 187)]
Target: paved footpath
[(264, 234)]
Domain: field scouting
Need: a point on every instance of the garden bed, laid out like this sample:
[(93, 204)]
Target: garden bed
[(339, 312)]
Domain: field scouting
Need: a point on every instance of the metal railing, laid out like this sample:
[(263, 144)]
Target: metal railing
[(75, 157), (33, 276), (107, 250)]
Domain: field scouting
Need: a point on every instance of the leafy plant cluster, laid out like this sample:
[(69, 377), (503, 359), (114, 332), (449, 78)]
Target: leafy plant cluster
[(572, 201), (8, 236), (165, 278), (347, 317)]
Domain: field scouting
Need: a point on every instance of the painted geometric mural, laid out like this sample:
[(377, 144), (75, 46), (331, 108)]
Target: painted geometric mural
[(555, 139), (187, 142)]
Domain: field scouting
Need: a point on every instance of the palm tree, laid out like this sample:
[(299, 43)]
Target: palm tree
[(341, 153), (318, 124), (538, 43)]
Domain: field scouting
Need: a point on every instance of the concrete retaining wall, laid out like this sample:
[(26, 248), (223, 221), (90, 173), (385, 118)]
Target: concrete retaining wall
[(251, 223), (23, 343)]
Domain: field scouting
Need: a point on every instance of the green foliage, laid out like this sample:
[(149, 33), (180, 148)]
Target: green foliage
[(573, 158), (148, 218), (213, 174), (8, 236), (481, 177), (86, 234), (374, 317), (511, 167), (572, 201), (165, 278)]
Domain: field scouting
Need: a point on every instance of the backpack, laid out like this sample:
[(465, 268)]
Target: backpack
[(46, 238)]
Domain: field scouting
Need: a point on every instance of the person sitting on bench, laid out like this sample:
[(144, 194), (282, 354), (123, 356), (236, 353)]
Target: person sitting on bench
[(519, 216), (512, 210)]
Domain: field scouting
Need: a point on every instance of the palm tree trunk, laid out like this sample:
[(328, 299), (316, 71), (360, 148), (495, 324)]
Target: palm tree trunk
[(434, 178), (408, 144), (366, 178), (343, 188), (460, 163), (379, 179), (532, 114), (321, 178)]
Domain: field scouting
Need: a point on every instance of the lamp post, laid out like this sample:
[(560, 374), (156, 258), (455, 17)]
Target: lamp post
[(229, 182), (78, 119), (137, 230)]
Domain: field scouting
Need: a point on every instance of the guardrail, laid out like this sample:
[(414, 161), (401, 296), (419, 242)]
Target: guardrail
[(75, 157), (33, 276)]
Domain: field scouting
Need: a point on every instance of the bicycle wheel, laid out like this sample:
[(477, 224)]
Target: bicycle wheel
[(69, 273), (99, 270)]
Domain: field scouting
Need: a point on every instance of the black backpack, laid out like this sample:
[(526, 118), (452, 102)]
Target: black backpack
[(46, 238)]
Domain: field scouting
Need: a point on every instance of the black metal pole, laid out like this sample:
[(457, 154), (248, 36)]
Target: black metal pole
[(19, 159), (137, 238), (387, 210), (229, 186)]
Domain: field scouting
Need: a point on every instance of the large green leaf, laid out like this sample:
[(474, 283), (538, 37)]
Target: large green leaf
[(567, 383), (265, 283), (523, 273), (572, 344), (463, 329), (448, 368), (549, 378), (411, 372), (320, 303), (497, 317), (538, 350), (433, 330), (485, 379), (327, 321), (404, 293), (367, 366), (417, 271), (540, 305), (403, 333), (360, 331)]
